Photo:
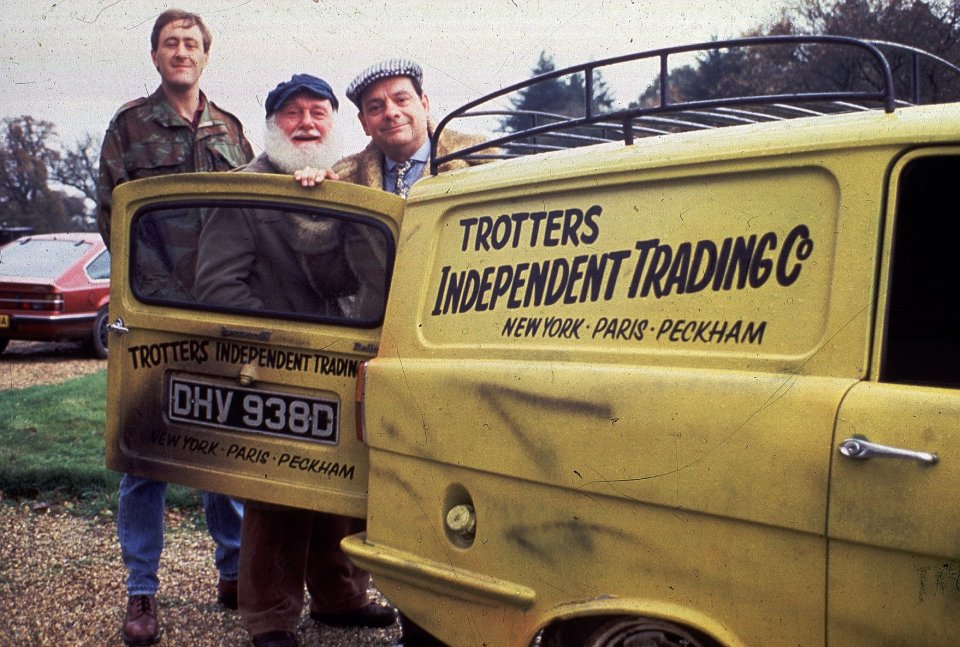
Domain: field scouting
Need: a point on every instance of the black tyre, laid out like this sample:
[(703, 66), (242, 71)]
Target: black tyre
[(642, 632), (3, 344), (99, 335), (619, 631)]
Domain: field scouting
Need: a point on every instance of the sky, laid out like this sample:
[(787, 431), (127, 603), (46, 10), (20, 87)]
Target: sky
[(74, 62)]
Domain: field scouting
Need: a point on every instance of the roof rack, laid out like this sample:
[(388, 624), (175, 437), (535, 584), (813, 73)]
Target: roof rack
[(551, 131)]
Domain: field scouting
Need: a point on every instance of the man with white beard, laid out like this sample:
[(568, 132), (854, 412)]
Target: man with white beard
[(290, 262), (256, 258)]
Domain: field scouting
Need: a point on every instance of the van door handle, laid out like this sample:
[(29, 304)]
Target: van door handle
[(862, 449), (117, 327)]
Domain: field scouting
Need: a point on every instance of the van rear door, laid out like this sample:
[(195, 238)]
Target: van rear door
[(241, 306)]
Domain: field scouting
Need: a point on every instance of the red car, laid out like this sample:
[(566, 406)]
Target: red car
[(55, 287)]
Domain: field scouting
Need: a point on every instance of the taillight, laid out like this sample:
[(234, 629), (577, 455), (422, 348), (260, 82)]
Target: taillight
[(32, 300), (360, 409), (52, 301)]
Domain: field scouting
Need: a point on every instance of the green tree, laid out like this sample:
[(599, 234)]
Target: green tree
[(27, 156), (932, 25), (550, 100), (77, 166)]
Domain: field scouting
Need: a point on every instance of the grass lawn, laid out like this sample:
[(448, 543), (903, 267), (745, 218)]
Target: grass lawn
[(51, 447)]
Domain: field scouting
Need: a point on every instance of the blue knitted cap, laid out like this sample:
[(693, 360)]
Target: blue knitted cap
[(298, 83)]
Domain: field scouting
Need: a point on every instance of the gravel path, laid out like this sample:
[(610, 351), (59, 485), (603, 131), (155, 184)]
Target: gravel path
[(27, 363), (61, 583), (61, 578)]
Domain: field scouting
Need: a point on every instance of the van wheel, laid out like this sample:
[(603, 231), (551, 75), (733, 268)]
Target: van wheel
[(99, 335), (642, 632), (620, 631)]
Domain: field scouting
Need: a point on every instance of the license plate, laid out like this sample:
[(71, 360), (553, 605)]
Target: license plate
[(210, 404), (4, 321)]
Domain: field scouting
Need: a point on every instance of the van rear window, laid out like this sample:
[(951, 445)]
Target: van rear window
[(262, 260)]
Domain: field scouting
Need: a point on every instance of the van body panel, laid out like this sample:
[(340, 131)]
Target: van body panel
[(656, 305), (700, 441), (580, 551)]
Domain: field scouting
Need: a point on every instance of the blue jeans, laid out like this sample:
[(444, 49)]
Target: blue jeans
[(140, 530)]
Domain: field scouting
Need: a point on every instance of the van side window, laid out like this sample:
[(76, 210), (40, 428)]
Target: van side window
[(922, 344), (263, 260)]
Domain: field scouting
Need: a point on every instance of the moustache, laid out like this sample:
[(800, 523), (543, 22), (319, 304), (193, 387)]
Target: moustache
[(310, 133)]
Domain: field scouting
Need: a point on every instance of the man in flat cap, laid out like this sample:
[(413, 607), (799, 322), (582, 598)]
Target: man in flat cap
[(290, 262), (395, 113), (174, 130)]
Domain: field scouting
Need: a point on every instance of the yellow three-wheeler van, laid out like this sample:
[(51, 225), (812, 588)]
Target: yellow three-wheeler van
[(698, 389)]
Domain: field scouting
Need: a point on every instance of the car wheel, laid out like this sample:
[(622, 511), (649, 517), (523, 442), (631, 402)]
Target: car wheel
[(620, 632), (3, 343), (99, 335)]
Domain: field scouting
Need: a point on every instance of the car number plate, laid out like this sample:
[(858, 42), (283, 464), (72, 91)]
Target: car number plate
[(229, 407), (4, 321)]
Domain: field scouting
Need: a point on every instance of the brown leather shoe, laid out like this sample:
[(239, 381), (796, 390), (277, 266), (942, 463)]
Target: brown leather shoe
[(140, 624), (275, 639), (227, 593)]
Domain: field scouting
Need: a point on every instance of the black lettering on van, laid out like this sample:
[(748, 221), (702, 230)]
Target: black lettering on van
[(151, 355), (799, 238), (760, 266), (563, 327), (692, 331), (521, 327), (736, 263), (248, 454), (590, 236), (582, 279), (625, 329), (740, 258), (536, 217), (560, 227), (703, 266), (316, 466), (163, 438), (467, 224)]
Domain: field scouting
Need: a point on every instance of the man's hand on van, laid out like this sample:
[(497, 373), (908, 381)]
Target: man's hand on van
[(309, 176)]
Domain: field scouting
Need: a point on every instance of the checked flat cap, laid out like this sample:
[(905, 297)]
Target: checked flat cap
[(383, 70)]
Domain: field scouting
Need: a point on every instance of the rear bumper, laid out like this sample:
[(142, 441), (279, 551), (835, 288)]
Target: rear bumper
[(442, 579), (47, 327)]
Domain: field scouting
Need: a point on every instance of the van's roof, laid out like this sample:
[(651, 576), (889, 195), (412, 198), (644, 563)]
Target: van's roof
[(773, 113), (904, 128)]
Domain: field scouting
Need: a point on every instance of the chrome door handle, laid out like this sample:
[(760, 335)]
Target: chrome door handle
[(117, 327), (862, 449)]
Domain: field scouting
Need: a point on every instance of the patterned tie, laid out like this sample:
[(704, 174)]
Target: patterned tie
[(402, 188)]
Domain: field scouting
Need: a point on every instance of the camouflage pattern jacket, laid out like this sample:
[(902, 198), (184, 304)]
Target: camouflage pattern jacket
[(147, 137)]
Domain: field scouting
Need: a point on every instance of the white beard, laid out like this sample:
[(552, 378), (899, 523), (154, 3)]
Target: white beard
[(290, 157)]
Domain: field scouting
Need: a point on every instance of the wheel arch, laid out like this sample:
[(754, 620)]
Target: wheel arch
[(571, 622)]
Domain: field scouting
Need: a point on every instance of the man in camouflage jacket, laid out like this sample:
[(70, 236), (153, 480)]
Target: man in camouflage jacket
[(147, 138), (176, 129)]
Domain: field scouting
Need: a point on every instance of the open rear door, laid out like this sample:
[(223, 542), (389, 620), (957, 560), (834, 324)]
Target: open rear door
[(241, 305)]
